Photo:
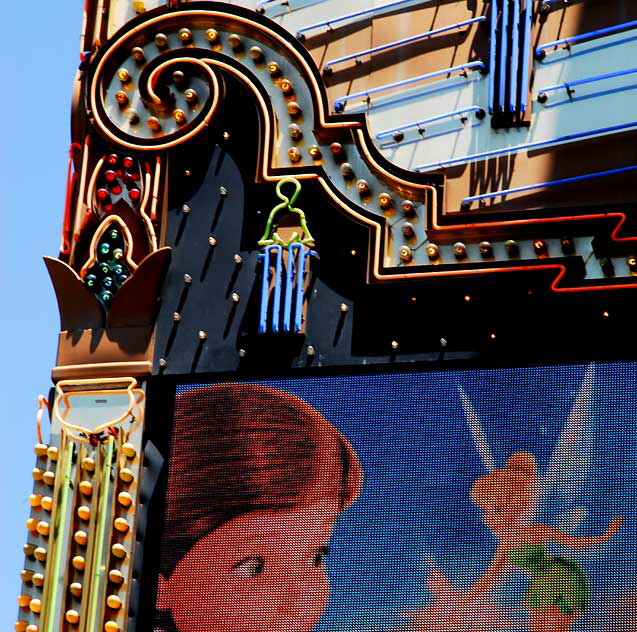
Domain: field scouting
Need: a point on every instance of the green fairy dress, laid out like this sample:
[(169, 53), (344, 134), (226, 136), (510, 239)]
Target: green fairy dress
[(555, 580)]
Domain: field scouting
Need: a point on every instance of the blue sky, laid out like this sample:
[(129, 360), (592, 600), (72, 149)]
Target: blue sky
[(39, 52)]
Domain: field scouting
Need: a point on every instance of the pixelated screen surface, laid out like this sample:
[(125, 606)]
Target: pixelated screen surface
[(464, 500)]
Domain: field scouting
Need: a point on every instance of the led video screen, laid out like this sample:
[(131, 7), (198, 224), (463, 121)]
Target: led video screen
[(483, 500)]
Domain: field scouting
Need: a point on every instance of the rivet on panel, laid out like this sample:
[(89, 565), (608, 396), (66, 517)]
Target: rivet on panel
[(35, 605), (128, 449), (52, 453), (81, 537), (72, 616), (88, 464), (43, 528), (138, 53), (185, 35), (235, 42), (202, 335), (124, 499), (84, 512), (119, 550), (294, 154), (40, 449), (78, 562), (115, 576), (212, 36), (405, 253), (38, 579), (126, 475), (314, 152), (256, 53), (40, 553), (36, 473), (76, 589)]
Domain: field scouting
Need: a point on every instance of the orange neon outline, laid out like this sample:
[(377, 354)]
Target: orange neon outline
[(135, 395), (101, 229), (265, 162)]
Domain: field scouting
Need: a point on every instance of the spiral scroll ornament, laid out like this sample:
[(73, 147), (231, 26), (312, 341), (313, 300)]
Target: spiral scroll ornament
[(156, 86)]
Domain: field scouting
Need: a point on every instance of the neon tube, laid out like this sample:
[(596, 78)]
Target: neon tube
[(568, 85), (504, 41), (492, 54), (515, 58), (356, 14), (401, 42), (54, 581), (340, 102), (540, 51), (516, 148), (98, 561), (526, 42), (295, 259), (263, 307), (388, 132), (551, 183)]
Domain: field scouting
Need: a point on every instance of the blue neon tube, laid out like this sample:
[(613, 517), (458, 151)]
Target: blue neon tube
[(349, 16), (338, 103), (540, 51), (388, 132), (578, 82), (550, 183), (515, 57), (526, 42), (492, 53), (540, 143), (402, 42), (504, 40)]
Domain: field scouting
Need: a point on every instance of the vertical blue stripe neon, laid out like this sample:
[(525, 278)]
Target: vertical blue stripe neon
[(526, 43), (492, 54), (504, 54), (293, 270), (515, 57), (276, 303), (263, 307)]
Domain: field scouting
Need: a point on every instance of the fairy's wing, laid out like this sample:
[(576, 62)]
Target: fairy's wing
[(476, 430), (564, 480)]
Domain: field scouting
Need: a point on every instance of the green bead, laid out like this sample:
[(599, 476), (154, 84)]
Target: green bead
[(107, 282), (122, 277), (105, 248), (113, 233), (104, 268), (118, 269), (118, 253), (106, 296), (90, 280)]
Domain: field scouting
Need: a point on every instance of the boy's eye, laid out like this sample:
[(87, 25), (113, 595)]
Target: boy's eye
[(249, 567), (319, 556)]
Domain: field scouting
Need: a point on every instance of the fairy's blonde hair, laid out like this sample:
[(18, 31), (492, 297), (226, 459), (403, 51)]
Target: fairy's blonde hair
[(507, 485)]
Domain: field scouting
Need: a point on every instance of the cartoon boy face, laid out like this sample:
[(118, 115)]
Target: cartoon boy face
[(263, 571)]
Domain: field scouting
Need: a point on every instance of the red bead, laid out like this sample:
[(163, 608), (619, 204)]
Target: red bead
[(102, 194), (119, 173), (107, 207), (113, 159), (128, 162), (134, 176), (134, 194), (110, 175), (116, 189)]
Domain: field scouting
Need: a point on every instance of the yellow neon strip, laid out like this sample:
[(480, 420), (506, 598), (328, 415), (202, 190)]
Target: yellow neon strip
[(59, 527), (98, 558)]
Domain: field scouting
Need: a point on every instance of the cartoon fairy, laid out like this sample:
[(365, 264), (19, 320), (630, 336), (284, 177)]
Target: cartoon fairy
[(558, 590), (510, 498)]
